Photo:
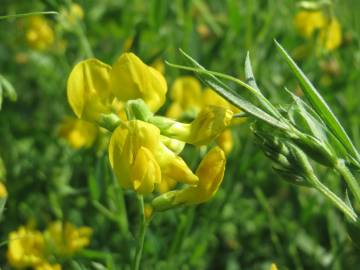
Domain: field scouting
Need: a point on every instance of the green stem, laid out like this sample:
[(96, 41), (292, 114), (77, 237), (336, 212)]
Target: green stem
[(349, 179), (141, 236), (84, 41), (340, 204)]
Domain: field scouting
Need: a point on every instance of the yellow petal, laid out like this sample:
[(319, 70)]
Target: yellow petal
[(3, 191), (186, 91), (225, 141), (88, 89), (174, 167), (125, 144), (132, 79), (145, 172), (211, 173), (210, 122), (331, 35), (307, 22), (78, 133)]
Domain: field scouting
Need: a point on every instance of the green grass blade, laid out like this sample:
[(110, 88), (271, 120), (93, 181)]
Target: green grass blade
[(20, 15), (319, 104)]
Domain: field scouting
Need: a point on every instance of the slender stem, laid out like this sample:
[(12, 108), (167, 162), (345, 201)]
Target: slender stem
[(340, 204), (349, 178), (141, 236)]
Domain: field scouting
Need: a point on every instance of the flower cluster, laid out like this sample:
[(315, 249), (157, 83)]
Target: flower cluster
[(316, 22), (31, 248), (144, 147)]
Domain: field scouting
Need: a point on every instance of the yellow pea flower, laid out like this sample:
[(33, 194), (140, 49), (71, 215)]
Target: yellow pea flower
[(88, 89), (225, 141), (78, 133), (307, 22), (64, 239), (93, 85), (39, 34), (130, 78), (131, 156), (3, 191), (166, 185), (140, 160), (210, 172), (185, 94), (208, 124), (25, 248), (48, 266), (331, 35)]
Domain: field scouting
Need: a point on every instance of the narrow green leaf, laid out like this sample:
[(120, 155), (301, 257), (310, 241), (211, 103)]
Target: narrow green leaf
[(2, 206), (229, 94), (249, 75), (15, 16), (319, 104), (250, 80), (8, 89)]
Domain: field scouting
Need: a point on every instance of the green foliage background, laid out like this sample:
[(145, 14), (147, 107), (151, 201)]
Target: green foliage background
[(256, 218)]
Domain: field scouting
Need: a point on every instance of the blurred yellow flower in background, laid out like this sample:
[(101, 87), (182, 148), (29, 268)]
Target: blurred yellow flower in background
[(3, 191), (39, 34), (78, 133), (185, 95), (309, 23), (48, 266), (65, 239), (25, 248)]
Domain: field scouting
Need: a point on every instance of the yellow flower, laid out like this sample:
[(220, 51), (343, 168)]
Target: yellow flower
[(65, 239), (225, 141), (331, 35), (140, 160), (186, 95), (131, 156), (209, 123), (329, 30), (93, 85), (25, 248), (273, 267), (39, 34), (88, 89), (132, 79), (210, 172), (307, 22), (76, 11), (48, 266), (78, 133), (3, 191)]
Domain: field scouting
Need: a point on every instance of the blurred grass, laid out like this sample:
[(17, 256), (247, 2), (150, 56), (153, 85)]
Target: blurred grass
[(255, 219)]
